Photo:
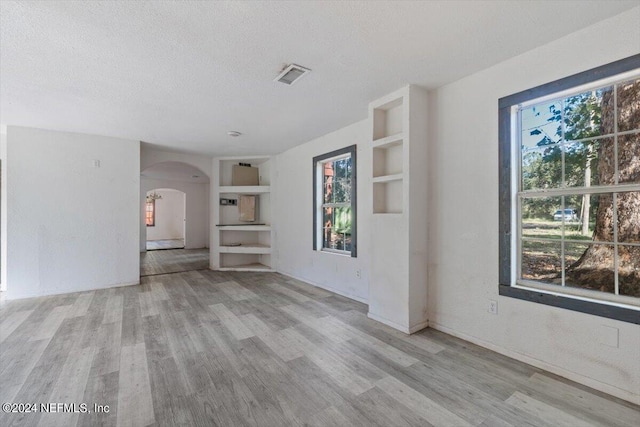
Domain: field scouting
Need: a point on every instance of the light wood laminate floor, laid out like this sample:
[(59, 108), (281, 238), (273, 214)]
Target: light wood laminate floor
[(173, 261), (260, 349)]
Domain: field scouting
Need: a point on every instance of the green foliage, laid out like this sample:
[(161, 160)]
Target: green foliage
[(343, 220), (581, 116)]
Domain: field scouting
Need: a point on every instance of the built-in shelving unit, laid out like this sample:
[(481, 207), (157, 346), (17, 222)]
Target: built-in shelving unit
[(237, 245), (244, 189), (398, 284), (388, 156)]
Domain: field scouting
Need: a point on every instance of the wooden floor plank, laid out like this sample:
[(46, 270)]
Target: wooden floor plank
[(50, 325), (420, 404), (135, 406), (81, 305), (231, 322), (12, 322), (548, 413), (70, 388)]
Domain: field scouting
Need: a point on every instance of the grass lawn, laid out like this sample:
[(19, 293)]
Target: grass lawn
[(541, 259)]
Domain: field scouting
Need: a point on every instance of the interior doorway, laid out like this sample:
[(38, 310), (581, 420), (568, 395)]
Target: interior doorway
[(165, 219), (174, 225)]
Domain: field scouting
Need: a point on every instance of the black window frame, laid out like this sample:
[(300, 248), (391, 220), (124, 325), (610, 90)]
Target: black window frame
[(351, 150), (505, 163)]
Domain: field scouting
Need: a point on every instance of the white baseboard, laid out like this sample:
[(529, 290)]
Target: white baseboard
[(589, 382), (407, 330), (327, 288), (72, 291), (418, 327)]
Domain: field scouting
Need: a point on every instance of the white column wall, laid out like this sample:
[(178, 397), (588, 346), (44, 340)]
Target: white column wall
[(72, 225)]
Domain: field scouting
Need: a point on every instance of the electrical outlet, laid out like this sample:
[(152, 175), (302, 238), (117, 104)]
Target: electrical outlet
[(358, 274), (493, 307)]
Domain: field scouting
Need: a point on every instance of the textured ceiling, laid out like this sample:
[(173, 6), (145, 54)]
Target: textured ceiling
[(179, 75)]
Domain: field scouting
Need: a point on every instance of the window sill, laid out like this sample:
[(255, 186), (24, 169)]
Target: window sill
[(623, 314), (336, 252)]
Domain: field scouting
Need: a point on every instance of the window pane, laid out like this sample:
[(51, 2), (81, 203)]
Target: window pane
[(541, 167), (628, 215), (541, 261), (337, 228), (328, 194), (589, 266), (585, 113), (347, 242), (342, 190), (343, 168), (628, 105), (328, 217), (582, 162), (629, 157), (539, 218), (541, 160), (584, 208), (541, 124), (333, 239), (629, 270), (343, 219), (328, 178), (327, 238)]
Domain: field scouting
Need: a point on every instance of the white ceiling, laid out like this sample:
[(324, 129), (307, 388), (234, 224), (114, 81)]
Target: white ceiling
[(179, 75), (175, 171)]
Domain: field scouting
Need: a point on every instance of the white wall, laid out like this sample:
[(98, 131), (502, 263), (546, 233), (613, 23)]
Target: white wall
[(71, 226), (3, 210), (169, 216), (197, 211), (294, 222), (150, 156), (463, 242)]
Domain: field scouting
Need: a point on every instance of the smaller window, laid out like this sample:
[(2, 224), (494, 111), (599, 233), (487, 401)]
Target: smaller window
[(334, 201), (150, 213)]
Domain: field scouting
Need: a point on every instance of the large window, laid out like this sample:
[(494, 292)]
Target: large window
[(334, 201), (570, 192), (150, 212)]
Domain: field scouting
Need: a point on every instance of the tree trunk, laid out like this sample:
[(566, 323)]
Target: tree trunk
[(595, 268)]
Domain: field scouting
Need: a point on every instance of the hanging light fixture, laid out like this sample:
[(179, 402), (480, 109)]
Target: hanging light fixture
[(153, 196)]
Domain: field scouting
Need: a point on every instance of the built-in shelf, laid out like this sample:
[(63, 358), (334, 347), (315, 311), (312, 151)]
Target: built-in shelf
[(388, 178), (388, 119), (237, 245), (389, 141), (256, 266), (243, 227), (387, 197), (244, 189), (399, 209), (388, 155), (254, 248)]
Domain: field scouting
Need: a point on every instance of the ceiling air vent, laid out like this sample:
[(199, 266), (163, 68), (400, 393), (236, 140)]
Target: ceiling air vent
[(291, 74)]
